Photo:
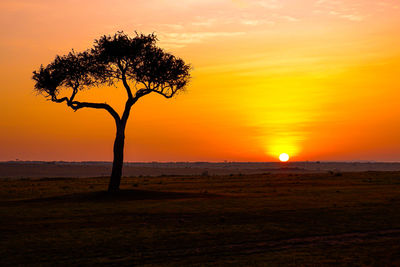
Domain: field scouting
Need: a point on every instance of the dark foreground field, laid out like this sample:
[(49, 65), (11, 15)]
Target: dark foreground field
[(234, 220)]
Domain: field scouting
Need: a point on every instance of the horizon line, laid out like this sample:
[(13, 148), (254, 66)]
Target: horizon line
[(194, 162)]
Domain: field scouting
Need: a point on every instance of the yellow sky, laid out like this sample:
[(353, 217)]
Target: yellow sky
[(316, 79)]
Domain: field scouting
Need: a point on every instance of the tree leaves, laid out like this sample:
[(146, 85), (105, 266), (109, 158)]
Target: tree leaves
[(136, 60)]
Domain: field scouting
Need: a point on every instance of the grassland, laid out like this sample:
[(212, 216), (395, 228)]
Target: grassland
[(347, 219)]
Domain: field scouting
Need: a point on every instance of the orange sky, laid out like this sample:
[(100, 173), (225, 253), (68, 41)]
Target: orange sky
[(316, 79)]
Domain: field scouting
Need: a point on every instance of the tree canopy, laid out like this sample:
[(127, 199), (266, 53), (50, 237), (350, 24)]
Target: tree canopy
[(137, 62)]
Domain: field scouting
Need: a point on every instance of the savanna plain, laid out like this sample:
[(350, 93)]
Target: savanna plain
[(282, 218)]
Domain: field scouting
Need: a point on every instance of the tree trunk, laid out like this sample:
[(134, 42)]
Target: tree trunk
[(118, 161)]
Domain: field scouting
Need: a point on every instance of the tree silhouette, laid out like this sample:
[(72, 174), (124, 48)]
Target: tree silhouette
[(137, 63)]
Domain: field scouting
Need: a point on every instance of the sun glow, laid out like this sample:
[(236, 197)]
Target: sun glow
[(283, 157), (290, 143)]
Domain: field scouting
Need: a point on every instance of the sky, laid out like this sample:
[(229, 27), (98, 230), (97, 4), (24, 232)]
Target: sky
[(316, 79)]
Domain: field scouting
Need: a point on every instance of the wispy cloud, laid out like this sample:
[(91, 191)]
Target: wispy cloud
[(172, 26), (352, 17), (204, 22), (289, 18), (269, 4), (339, 9), (181, 39), (256, 22)]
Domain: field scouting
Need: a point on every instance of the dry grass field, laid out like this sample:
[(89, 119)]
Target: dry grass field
[(269, 219)]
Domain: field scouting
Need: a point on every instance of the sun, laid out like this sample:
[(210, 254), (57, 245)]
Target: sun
[(283, 157)]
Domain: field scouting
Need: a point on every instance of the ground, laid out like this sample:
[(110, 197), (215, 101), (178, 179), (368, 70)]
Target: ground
[(268, 219)]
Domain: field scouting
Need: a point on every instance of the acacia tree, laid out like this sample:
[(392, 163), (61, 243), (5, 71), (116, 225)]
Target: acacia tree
[(136, 63)]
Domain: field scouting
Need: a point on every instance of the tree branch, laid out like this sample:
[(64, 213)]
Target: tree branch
[(127, 87), (123, 76), (164, 94), (143, 92), (75, 105), (55, 99), (129, 103), (74, 92)]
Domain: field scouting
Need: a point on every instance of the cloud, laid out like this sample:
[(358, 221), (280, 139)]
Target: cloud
[(339, 9), (173, 26), (269, 4), (181, 39), (289, 18), (203, 22), (256, 22), (352, 17)]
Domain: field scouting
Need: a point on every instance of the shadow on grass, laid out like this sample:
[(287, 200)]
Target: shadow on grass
[(122, 195)]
